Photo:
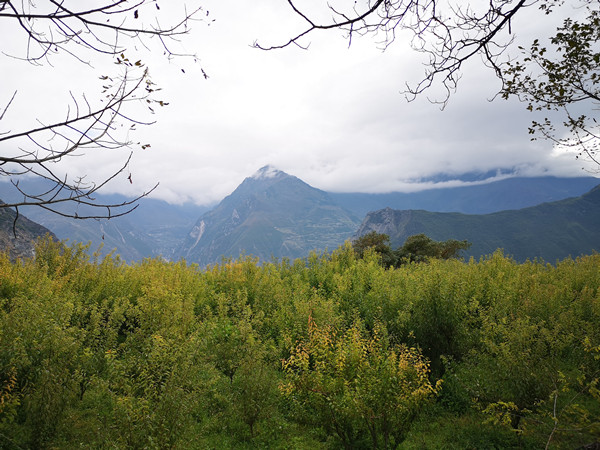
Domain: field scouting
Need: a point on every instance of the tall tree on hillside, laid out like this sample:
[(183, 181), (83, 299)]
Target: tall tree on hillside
[(416, 248), (42, 32)]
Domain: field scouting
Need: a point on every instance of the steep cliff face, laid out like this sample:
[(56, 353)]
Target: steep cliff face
[(270, 214), (385, 221), (18, 238)]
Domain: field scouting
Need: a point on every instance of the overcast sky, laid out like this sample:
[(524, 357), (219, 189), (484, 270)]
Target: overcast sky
[(333, 116)]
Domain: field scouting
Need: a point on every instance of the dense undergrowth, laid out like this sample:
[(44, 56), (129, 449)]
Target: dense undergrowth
[(334, 351)]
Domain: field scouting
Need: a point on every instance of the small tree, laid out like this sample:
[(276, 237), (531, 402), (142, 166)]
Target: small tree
[(380, 243), (421, 247), (416, 248)]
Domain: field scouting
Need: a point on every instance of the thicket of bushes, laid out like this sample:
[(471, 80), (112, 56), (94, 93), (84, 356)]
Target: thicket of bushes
[(334, 351)]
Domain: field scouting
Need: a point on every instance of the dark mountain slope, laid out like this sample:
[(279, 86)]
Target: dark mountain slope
[(27, 232), (550, 231)]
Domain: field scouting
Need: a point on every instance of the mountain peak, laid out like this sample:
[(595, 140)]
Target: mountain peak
[(266, 172), (271, 214)]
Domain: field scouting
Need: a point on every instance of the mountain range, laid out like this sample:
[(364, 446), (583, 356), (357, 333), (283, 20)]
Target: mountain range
[(274, 214), (154, 229)]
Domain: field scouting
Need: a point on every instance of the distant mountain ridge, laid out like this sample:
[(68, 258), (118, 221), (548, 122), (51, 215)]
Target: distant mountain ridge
[(550, 231), (500, 195), (154, 229)]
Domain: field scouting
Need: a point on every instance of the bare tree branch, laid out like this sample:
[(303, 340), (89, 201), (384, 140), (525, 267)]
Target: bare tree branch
[(58, 26), (448, 33), (8, 105), (451, 32), (108, 27)]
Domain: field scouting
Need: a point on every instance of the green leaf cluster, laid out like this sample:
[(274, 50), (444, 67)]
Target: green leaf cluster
[(357, 385), (562, 75)]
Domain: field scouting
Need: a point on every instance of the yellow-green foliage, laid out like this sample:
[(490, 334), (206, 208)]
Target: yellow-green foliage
[(316, 353), (356, 384)]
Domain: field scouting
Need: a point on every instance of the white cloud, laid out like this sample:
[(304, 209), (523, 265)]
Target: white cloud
[(333, 116)]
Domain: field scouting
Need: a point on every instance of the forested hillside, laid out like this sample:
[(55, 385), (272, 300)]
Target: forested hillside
[(331, 351)]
